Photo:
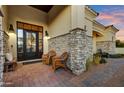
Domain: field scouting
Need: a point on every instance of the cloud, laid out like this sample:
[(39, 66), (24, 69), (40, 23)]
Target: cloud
[(112, 15), (105, 16), (110, 18), (120, 33), (119, 14)]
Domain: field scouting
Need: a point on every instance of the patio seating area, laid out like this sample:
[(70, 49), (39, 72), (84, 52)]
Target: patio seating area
[(42, 75)]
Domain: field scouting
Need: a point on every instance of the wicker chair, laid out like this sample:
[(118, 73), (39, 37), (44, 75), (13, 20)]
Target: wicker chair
[(47, 58), (60, 61), (10, 63)]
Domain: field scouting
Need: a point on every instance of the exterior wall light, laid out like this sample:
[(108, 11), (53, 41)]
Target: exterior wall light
[(47, 35), (11, 29)]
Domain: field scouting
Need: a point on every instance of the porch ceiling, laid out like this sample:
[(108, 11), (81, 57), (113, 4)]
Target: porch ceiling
[(45, 8)]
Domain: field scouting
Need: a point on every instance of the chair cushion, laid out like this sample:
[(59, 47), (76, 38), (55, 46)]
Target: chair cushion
[(9, 57)]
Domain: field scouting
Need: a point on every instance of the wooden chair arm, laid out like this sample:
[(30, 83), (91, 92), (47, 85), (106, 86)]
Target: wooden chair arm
[(45, 54), (58, 60), (57, 57)]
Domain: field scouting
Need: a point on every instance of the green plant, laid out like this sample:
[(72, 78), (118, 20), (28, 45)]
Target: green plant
[(103, 61), (116, 55), (119, 43), (96, 58), (89, 62)]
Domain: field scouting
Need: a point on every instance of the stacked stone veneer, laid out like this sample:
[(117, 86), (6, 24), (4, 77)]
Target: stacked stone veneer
[(1, 56), (78, 45), (89, 41), (106, 46), (59, 43)]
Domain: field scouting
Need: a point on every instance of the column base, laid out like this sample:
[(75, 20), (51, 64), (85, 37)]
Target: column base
[(78, 72)]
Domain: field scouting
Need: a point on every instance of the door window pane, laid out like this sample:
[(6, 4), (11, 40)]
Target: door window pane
[(40, 42), (31, 42), (20, 40)]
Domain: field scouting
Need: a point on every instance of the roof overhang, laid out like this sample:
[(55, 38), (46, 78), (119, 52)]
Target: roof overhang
[(45, 8), (113, 27), (91, 10), (98, 24)]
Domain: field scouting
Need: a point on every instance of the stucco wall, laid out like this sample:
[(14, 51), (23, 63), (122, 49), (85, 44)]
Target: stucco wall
[(107, 36), (59, 20), (119, 50), (89, 19), (89, 26), (29, 15), (77, 16), (94, 43), (98, 27)]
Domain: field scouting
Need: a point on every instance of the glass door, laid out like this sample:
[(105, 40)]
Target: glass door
[(28, 45), (29, 41), (20, 46), (31, 45)]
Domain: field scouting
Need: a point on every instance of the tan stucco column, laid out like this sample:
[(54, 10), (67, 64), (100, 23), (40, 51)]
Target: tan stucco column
[(77, 16)]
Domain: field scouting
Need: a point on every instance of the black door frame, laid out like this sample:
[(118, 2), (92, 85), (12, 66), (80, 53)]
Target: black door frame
[(38, 53)]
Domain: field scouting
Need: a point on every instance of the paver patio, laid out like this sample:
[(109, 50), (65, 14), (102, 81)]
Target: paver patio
[(40, 75)]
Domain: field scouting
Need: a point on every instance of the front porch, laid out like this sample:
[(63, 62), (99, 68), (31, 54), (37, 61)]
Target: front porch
[(28, 39), (66, 32), (40, 75)]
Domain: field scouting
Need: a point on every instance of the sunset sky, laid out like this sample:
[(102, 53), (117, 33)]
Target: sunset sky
[(111, 14)]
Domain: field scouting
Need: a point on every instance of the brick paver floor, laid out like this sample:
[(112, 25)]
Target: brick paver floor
[(40, 75)]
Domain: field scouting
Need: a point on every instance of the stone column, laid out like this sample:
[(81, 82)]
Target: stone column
[(1, 52), (77, 45), (1, 58), (77, 40)]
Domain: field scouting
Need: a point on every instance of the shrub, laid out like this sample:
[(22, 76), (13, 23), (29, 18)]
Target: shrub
[(103, 61), (104, 54), (89, 62), (119, 44), (96, 58), (116, 56)]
